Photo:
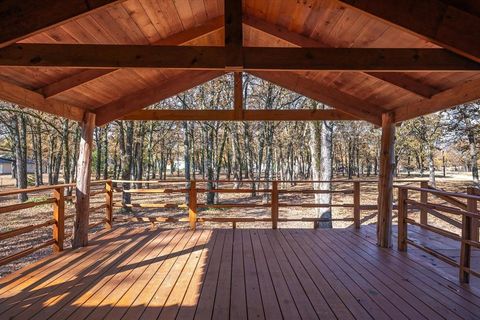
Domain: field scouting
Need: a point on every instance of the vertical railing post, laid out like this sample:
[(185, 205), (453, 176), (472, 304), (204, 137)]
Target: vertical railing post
[(274, 204), (356, 204), (475, 222), (108, 204), (192, 205), (59, 217), (402, 214), (465, 249), (424, 200)]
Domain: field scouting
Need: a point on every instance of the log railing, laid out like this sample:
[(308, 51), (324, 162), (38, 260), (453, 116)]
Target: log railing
[(461, 205), (57, 199), (275, 191)]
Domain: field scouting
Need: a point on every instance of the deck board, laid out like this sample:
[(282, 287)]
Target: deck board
[(238, 274)]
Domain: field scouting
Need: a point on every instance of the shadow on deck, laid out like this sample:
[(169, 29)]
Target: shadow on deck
[(239, 274)]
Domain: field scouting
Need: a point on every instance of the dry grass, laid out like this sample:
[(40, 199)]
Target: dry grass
[(21, 218)]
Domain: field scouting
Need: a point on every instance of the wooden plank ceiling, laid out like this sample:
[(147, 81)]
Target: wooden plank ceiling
[(113, 93)]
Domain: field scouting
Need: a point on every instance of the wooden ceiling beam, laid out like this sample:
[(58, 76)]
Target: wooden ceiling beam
[(444, 23), (231, 115), (464, 93), (397, 79), (233, 34), (22, 19), (334, 98), (31, 99), (213, 58), (143, 98), (178, 39)]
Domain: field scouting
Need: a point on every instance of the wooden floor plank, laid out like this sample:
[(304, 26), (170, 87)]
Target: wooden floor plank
[(318, 295), (57, 287), (190, 301), (112, 287), (402, 281), (221, 308), (139, 306), (276, 257), (129, 299), (68, 288), (321, 271), (356, 290), (271, 305), (209, 289), (144, 273), (160, 297), (238, 300), (252, 285), (408, 304)]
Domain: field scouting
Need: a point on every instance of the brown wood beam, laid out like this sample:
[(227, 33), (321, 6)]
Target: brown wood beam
[(464, 93), (232, 115), (178, 39), (437, 21), (82, 191), (238, 94), (360, 109), (21, 19), (233, 34), (31, 99), (295, 39), (143, 98), (213, 58), (385, 182)]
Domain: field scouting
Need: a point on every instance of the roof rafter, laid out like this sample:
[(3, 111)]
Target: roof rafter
[(463, 93), (437, 21), (29, 17), (181, 38), (397, 79), (143, 98), (31, 99), (254, 58), (332, 97)]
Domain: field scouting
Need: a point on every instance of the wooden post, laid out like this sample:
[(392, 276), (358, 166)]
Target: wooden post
[(475, 222), (465, 249), (109, 204), (82, 192), (192, 205), (356, 204), (385, 182), (274, 204), (59, 217), (238, 96), (424, 200), (402, 214)]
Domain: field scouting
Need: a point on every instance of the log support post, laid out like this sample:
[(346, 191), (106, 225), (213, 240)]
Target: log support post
[(385, 182), (274, 204), (402, 215), (108, 204), (59, 217), (356, 204), (192, 205), (82, 192), (424, 200)]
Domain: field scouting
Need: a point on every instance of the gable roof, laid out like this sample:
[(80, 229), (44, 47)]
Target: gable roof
[(114, 92)]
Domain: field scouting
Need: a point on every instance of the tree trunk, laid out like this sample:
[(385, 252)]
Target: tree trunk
[(20, 123), (473, 156)]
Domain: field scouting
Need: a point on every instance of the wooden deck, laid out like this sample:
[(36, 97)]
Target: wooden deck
[(238, 274)]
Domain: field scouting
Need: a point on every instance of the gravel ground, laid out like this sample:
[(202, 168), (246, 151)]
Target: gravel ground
[(39, 214)]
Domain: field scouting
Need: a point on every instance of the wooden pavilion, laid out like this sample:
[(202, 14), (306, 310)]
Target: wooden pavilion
[(381, 61)]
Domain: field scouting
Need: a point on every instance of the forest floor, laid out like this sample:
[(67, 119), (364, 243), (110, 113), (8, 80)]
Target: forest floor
[(22, 218)]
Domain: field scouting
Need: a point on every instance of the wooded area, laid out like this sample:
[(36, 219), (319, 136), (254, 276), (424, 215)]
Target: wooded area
[(142, 150)]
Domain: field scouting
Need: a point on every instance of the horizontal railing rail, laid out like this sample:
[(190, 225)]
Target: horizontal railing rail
[(459, 204), (57, 200)]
